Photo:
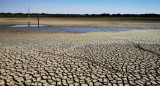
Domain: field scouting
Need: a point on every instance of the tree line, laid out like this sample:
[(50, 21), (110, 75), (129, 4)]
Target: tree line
[(77, 15)]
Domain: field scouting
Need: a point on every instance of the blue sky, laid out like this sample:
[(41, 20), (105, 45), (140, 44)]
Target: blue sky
[(81, 6)]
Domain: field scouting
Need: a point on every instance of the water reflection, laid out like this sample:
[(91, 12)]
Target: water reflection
[(46, 28), (28, 26), (75, 29)]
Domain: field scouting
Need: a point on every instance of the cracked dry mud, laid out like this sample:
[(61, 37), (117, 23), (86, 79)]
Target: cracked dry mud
[(48, 60)]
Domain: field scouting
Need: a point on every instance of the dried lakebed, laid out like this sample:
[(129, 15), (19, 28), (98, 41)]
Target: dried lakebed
[(87, 59)]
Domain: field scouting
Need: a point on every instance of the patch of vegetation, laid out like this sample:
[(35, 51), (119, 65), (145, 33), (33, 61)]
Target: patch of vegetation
[(120, 16)]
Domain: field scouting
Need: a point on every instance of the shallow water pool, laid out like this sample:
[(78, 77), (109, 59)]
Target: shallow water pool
[(75, 29), (28, 26), (46, 28)]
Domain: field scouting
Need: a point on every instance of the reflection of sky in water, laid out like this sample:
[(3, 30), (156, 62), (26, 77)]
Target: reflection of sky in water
[(46, 28), (28, 26), (75, 29), (155, 27), (84, 29)]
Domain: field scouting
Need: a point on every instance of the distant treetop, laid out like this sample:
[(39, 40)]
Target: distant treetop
[(78, 15)]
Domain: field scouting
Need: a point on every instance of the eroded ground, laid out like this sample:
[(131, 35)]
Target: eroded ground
[(100, 58)]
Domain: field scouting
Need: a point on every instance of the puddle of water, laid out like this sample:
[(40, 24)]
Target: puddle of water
[(46, 28), (28, 26), (3, 26), (155, 27), (76, 29)]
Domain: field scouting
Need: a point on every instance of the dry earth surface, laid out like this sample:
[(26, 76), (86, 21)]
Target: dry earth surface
[(86, 59), (86, 22)]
